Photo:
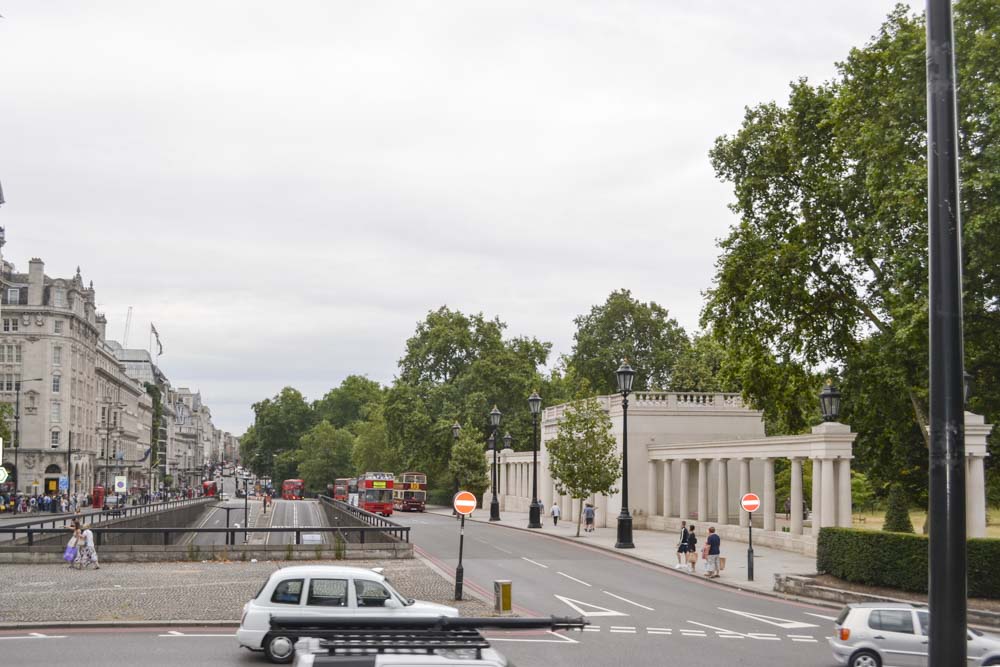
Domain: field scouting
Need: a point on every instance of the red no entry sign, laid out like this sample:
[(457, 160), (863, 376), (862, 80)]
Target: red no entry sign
[(464, 502), (750, 502)]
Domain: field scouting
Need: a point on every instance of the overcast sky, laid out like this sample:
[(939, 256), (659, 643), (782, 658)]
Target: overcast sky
[(285, 189)]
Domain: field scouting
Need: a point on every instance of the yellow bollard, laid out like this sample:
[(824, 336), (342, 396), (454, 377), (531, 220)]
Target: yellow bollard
[(501, 596)]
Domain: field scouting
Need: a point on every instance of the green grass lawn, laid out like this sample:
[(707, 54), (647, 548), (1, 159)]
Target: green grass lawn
[(874, 521)]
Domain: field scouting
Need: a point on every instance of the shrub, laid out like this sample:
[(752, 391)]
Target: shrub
[(899, 560), (440, 497), (897, 514)]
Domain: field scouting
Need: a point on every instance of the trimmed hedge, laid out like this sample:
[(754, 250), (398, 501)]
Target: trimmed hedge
[(899, 560)]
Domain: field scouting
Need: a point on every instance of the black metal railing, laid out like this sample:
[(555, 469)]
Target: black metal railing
[(94, 517), (358, 513), (400, 533)]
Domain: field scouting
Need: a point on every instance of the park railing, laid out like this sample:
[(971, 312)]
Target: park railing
[(401, 533), (358, 513), (60, 522)]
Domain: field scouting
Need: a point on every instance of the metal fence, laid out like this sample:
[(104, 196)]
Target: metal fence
[(401, 533), (61, 522), (358, 513)]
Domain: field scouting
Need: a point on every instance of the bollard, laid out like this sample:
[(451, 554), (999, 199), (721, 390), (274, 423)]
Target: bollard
[(501, 596)]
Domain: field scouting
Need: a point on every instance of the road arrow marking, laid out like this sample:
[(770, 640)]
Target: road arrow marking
[(579, 607), (772, 620), (629, 601)]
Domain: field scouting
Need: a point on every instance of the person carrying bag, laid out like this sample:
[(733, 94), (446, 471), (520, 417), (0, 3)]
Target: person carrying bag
[(72, 547), (692, 550)]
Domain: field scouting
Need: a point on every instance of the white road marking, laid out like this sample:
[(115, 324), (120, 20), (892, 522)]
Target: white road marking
[(810, 640), (174, 633), (629, 601), (579, 607), (574, 579), (718, 630), (533, 562), (592, 628), (503, 550), (772, 620), (563, 639), (35, 635), (825, 618), (658, 629), (630, 631), (764, 636)]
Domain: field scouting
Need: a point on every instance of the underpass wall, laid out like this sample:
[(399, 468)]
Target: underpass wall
[(338, 518)]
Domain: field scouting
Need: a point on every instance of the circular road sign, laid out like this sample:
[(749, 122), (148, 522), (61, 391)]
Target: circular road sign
[(750, 502), (464, 502)]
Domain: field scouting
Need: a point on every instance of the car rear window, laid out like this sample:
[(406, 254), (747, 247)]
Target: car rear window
[(891, 620), (288, 591), (843, 615)]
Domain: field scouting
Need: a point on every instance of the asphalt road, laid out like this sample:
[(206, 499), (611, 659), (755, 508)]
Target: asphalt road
[(641, 614)]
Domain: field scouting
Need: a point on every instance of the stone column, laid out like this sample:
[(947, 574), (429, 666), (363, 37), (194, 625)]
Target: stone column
[(667, 488), (828, 518), (684, 495), (975, 492), (723, 492), (601, 512), (544, 482), (844, 505), (768, 499), (702, 490), (817, 497), (744, 489), (796, 497), (651, 487)]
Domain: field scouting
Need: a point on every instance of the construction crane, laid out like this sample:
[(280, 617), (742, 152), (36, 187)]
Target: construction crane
[(128, 327)]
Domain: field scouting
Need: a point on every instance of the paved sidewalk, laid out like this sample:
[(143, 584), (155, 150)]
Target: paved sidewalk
[(661, 548)]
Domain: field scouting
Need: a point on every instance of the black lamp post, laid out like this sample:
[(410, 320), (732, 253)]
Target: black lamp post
[(456, 429), (495, 416), (829, 403), (626, 375), (534, 511)]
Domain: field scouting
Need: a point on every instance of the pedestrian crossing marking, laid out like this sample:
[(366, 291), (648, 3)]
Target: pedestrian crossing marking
[(581, 608), (784, 623)]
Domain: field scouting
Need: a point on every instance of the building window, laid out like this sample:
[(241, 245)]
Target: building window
[(13, 296), (57, 356), (10, 382), (59, 298), (57, 326), (55, 409), (56, 382), (10, 325), (55, 438), (17, 354)]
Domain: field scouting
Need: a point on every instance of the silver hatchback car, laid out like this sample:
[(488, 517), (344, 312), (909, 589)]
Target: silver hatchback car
[(895, 635)]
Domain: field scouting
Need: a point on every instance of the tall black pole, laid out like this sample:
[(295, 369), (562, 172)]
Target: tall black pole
[(69, 465), (624, 518), (460, 571), (246, 509), (750, 547), (17, 441), (534, 511), (947, 577), (495, 500)]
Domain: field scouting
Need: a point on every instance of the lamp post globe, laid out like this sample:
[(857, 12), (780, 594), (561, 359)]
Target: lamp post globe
[(534, 510), (495, 416), (625, 376)]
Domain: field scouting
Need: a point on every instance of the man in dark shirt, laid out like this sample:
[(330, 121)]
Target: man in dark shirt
[(714, 542)]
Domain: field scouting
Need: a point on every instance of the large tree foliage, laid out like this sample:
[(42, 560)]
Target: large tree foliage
[(582, 457), (351, 402), (279, 422), (324, 455), (468, 466), (625, 328), (828, 263)]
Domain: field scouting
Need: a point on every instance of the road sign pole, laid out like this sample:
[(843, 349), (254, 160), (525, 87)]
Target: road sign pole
[(750, 550), (459, 571)]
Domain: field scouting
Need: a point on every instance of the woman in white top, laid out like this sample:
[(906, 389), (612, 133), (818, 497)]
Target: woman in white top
[(555, 514), (89, 551)]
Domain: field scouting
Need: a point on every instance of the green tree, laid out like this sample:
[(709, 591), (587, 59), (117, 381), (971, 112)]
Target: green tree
[(371, 446), (351, 402), (699, 367), (828, 263), (468, 465), (582, 456), (6, 416), (279, 422), (897, 513), (625, 328), (324, 455)]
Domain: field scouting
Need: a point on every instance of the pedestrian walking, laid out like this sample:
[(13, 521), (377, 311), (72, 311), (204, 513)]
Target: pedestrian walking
[(555, 514), (72, 553), (692, 549), (682, 547), (89, 549), (714, 544), (588, 518)]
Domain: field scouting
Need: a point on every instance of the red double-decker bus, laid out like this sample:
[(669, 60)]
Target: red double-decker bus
[(339, 490), (410, 493), (374, 492), (291, 489), (209, 488)]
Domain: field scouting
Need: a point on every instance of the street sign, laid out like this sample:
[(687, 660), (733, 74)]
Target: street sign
[(64, 483), (464, 503), (750, 502), (3, 474), (121, 483)]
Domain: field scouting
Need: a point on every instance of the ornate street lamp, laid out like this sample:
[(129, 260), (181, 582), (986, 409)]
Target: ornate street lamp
[(495, 415), (626, 376), (534, 511), (829, 403)]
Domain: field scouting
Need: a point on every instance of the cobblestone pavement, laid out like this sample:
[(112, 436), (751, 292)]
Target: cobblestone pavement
[(206, 591)]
